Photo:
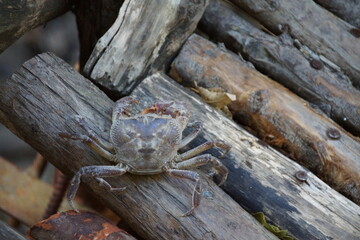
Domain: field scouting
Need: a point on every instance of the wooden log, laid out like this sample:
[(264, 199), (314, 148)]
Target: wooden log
[(39, 101), (313, 26), (71, 225), (6, 232), (144, 39), (330, 91), (349, 10), (260, 178), (93, 19), (18, 17), (277, 115)]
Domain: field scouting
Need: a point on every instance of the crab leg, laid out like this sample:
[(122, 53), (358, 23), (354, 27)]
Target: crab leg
[(193, 176), (202, 160), (93, 171), (91, 143), (91, 134), (197, 128), (205, 146)]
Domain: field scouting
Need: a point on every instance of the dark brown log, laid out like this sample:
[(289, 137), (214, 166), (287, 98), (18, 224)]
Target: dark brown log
[(260, 178), (19, 16), (93, 19), (330, 91), (71, 225), (39, 101), (314, 27), (276, 114), (347, 10), (6, 232), (144, 39)]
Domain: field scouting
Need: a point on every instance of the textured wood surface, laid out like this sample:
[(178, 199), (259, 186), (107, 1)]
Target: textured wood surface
[(347, 10), (313, 26), (19, 16), (277, 115), (40, 100), (277, 57), (144, 38), (260, 178)]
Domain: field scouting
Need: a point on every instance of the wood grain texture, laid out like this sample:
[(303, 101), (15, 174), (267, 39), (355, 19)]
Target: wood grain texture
[(330, 91), (8, 233), (347, 10), (20, 16), (144, 38), (260, 178), (40, 100), (93, 19), (277, 115), (313, 26)]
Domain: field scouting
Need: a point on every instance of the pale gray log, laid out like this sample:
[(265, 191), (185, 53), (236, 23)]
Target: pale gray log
[(20, 16), (312, 25), (40, 100), (144, 38), (330, 91), (348, 10)]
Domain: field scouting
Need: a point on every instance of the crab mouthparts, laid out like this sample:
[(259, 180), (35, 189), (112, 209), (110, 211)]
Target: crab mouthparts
[(146, 150)]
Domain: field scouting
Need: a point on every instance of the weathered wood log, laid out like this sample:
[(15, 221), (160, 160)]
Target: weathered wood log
[(71, 225), (8, 233), (260, 178), (39, 101), (93, 19), (276, 114), (330, 91), (313, 26), (347, 10), (18, 17), (145, 38)]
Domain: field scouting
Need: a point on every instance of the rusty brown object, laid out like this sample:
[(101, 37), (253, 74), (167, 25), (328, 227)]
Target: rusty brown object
[(277, 115), (71, 225), (59, 188)]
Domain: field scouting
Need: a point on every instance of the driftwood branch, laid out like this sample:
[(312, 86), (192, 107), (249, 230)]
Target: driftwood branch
[(144, 39), (277, 115), (18, 17), (349, 10), (313, 26), (40, 100), (93, 19), (332, 92)]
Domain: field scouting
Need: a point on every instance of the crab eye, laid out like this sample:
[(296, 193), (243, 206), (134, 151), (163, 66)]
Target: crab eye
[(131, 134)]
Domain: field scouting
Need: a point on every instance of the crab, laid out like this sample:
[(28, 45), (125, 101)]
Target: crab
[(147, 143)]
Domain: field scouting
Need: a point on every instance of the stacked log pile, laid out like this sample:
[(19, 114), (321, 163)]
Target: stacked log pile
[(286, 75)]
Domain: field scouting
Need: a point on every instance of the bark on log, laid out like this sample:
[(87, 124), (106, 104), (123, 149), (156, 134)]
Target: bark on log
[(330, 91), (8, 233), (347, 10), (93, 19), (38, 102), (145, 38), (19, 16), (71, 225), (260, 178), (313, 26), (276, 114)]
